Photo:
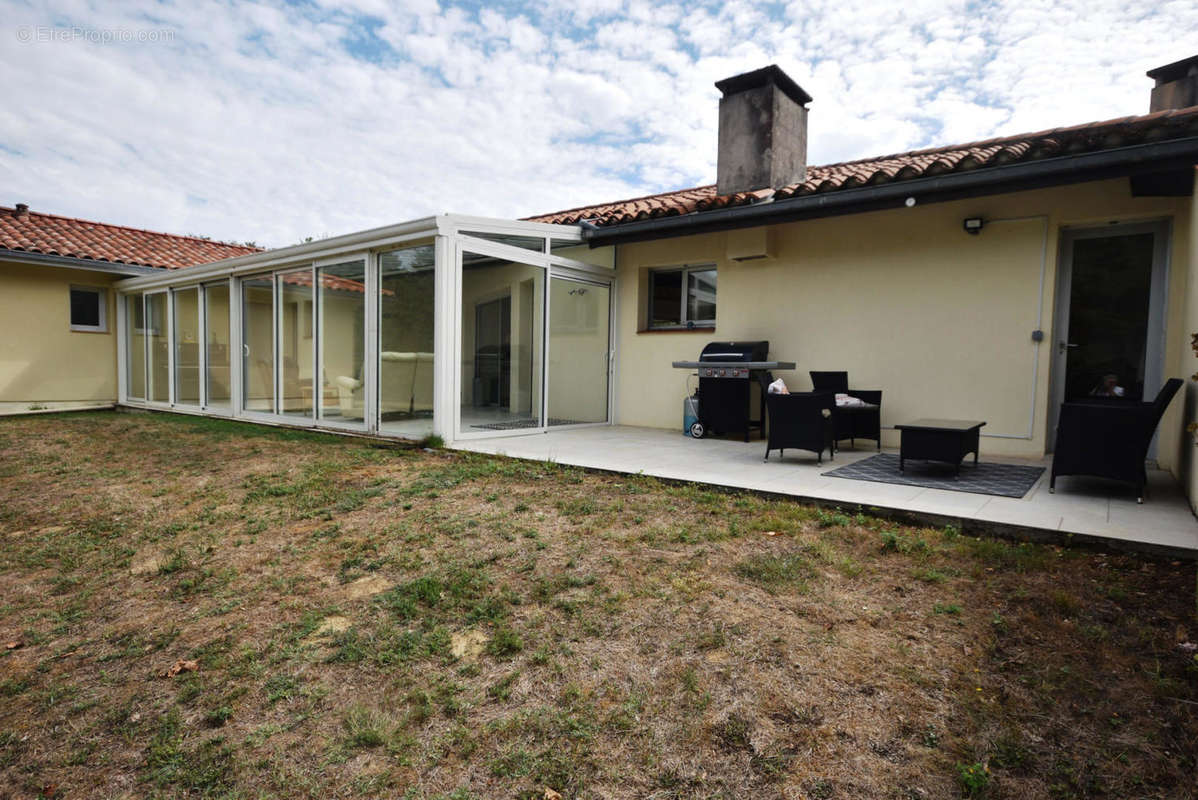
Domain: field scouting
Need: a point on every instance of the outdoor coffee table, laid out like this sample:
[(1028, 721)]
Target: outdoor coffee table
[(946, 440)]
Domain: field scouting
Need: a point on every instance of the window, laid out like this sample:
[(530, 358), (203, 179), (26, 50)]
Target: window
[(89, 309), (682, 298)]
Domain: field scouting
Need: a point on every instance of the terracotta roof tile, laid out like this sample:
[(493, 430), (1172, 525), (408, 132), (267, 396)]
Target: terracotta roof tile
[(1085, 138), (50, 234)]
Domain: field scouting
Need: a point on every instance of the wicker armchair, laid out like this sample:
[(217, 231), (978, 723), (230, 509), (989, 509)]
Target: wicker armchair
[(852, 422), (1109, 439), (800, 421)]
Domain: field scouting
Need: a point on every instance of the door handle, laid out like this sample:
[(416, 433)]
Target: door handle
[(1065, 345)]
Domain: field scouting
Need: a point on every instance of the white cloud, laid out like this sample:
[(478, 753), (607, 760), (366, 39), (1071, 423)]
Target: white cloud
[(272, 122)]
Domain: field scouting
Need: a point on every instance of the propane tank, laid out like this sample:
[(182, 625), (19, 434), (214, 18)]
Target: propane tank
[(691, 426)]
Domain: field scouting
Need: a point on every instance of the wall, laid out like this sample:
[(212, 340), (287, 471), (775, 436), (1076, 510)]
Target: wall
[(1187, 361), (907, 302), (42, 361)]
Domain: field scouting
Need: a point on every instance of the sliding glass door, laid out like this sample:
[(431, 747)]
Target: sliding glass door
[(186, 335), (297, 351), (405, 331), (341, 332), (257, 344), (579, 351), (157, 331), (502, 339), (218, 377), (135, 346)]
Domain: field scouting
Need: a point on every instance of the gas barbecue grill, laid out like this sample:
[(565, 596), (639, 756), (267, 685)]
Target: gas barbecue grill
[(728, 373)]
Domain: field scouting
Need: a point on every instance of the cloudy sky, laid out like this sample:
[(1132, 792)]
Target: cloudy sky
[(273, 121)]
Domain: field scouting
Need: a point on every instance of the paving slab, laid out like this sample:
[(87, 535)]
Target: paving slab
[(1081, 510)]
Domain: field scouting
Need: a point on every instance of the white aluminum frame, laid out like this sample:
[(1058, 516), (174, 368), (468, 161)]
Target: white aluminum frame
[(446, 234), (553, 266)]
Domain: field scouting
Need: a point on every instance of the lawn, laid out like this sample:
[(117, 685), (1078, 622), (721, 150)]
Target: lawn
[(199, 608)]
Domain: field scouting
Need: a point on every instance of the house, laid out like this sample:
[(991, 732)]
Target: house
[(988, 280), (58, 314)]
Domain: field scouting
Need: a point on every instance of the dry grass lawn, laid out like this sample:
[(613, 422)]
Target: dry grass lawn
[(345, 619)]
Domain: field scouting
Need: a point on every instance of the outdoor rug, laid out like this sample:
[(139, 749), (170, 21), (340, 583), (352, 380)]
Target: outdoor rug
[(1004, 480)]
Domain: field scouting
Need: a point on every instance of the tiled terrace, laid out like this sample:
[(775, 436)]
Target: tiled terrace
[(1081, 510)]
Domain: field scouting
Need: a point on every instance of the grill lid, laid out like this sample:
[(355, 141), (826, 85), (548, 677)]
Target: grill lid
[(735, 352)]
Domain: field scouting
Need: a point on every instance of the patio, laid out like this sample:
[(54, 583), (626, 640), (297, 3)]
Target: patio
[(1082, 509)]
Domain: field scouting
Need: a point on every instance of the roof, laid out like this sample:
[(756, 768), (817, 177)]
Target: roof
[(49, 234), (1025, 147)]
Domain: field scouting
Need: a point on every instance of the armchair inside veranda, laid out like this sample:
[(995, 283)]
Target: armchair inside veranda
[(1108, 439), (851, 422), (801, 421)]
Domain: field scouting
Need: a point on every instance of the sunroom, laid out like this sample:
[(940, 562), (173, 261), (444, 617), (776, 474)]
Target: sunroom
[(460, 327)]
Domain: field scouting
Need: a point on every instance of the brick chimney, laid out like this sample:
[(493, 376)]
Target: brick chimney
[(22, 211), (763, 132), (1176, 85)]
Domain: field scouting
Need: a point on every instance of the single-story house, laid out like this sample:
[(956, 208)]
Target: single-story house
[(989, 280)]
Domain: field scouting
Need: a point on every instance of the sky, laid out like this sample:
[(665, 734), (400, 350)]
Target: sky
[(273, 122)]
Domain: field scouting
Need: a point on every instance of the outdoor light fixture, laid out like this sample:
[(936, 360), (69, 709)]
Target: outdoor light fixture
[(909, 202), (973, 225)]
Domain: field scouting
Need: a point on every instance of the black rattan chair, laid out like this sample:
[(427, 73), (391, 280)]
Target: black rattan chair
[(800, 421), (852, 422), (1108, 439)]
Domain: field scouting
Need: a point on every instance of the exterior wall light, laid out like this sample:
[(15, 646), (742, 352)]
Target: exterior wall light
[(973, 225)]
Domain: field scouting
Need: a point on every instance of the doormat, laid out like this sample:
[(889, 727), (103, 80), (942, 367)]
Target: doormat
[(1002, 480), (520, 424)]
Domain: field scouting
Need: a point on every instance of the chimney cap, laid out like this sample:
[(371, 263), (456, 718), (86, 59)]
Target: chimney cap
[(1175, 71), (22, 209), (772, 74)]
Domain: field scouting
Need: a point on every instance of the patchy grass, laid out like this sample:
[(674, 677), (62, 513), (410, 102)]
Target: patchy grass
[(402, 622)]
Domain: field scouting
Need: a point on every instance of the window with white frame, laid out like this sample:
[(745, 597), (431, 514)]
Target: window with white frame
[(682, 297), (89, 309)]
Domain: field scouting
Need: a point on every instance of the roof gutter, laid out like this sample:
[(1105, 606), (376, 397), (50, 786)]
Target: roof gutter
[(87, 264), (1114, 163)]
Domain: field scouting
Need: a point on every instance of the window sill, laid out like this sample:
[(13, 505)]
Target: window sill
[(696, 329), (82, 329)]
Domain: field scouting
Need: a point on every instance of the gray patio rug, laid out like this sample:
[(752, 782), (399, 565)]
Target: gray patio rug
[(1004, 480)]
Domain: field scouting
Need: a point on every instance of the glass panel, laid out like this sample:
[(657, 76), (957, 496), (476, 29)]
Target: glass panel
[(257, 314), (502, 328), (578, 352), (187, 346), (296, 347), (135, 346), (700, 295), (159, 373), (406, 341), (85, 307), (216, 311), (665, 298), (342, 341), (1108, 316), (535, 243), (599, 256)]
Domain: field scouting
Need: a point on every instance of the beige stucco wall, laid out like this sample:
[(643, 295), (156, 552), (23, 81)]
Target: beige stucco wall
[(1187, 361), (42, 361), (907, 302)]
